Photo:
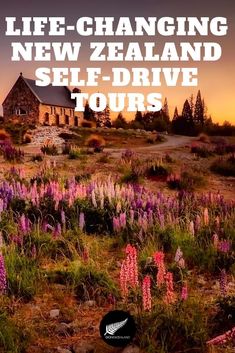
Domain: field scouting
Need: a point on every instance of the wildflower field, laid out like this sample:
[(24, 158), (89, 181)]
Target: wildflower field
[(83, 235)]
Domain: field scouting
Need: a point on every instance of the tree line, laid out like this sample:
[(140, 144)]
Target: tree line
[(193, 119)]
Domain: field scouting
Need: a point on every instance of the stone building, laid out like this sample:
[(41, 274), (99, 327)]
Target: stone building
[(50, 105)]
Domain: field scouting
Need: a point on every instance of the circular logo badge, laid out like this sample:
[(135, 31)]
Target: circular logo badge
[(117, 328)]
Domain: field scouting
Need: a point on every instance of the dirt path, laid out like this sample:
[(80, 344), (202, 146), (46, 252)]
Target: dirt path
[(172, 141)]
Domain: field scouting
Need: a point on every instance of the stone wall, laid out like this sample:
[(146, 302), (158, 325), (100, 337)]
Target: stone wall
[(21, 96), (53, 115)]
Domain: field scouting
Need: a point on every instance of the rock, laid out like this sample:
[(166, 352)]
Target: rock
[(54, 313), (83, 347), (131, 349), (63, 350), (90, 303)]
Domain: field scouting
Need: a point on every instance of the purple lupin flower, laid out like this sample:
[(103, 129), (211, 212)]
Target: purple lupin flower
[(81, 221), (122, 219), (3, 275), (24, 224), (224, 246)]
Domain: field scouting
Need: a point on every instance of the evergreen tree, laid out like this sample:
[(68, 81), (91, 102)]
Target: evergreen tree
[(176, 115), (165, 109), (99, 118), (199, 110), (120, 122), (138, 116), (106, 118), (88, 113), (187, 112), (191, 102)]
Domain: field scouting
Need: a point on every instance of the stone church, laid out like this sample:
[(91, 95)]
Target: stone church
[(50, 105)]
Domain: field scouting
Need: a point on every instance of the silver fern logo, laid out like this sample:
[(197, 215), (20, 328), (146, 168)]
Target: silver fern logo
[(117, 328), (111, 329)]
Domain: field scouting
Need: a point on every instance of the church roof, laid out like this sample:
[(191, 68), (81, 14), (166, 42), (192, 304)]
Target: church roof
[(51, 95)]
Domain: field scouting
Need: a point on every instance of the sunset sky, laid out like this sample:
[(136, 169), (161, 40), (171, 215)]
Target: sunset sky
[(216, 79)]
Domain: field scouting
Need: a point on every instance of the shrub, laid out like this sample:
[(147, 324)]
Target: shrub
[(128, 155), (224, 319), (17, 131), (91, 283), (81, 177), (10, 153), (201, 151), (12, 339), (22, 274), (88, 124), (66, 148), (225, 167), (49, 149), (168, 158), (150, 140), (27, 138), (186, 181), (158, 169), (37, 157), (96, 142), (67, 136), (130, 176), (173, 330), (104, 158), (75, 152), (204, 138), (160, 138), (4, 135)]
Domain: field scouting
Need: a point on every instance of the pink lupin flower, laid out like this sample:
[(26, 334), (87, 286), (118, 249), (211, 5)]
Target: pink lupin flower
[(122, 219), (159, 261), (129, 271), (197, 224), (123, 279), (116, 224), (170, 295), (132, 265), (215, 240), (178, 254), (146, 293), (192, 228), (81, 221), (184, 292), (206, 217), (221, 339)]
